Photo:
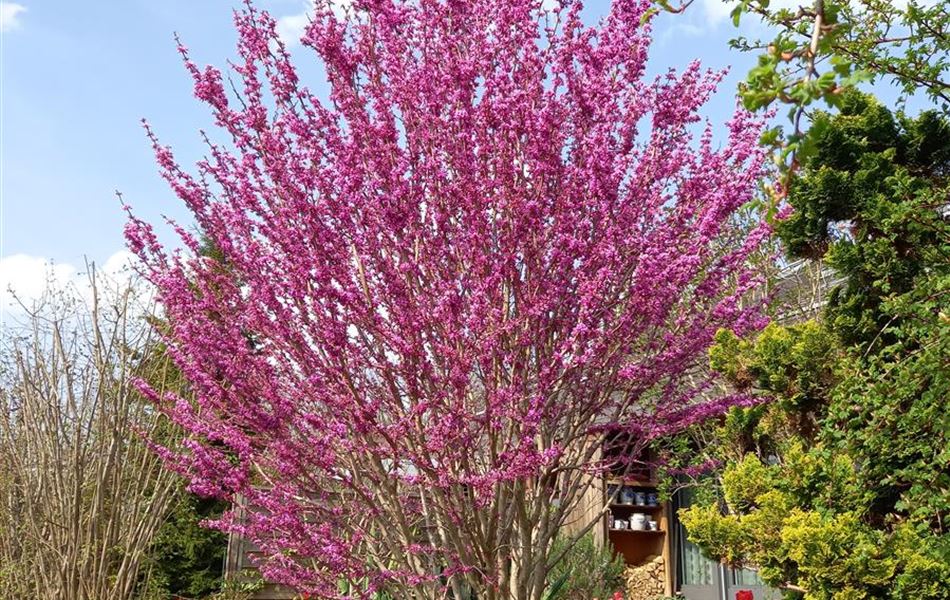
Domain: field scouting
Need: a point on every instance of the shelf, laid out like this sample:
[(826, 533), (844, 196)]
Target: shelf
[(654, 532), (638, 506), (632, 482)]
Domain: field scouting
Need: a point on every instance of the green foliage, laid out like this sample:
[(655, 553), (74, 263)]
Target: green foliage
[(241, 587), (869, 201), (890, 415), (357, 589), (829, 552), (826, 47), (793, 362), (823, 49), (556, 587), (187, 559), (841, 486), (585, 571)]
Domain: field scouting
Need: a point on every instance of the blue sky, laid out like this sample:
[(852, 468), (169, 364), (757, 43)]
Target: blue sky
[(78, 76)]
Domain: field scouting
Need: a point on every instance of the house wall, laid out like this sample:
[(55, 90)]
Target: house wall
[(239, 566)]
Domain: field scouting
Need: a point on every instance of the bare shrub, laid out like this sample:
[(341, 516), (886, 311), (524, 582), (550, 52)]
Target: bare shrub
[(81, 494)]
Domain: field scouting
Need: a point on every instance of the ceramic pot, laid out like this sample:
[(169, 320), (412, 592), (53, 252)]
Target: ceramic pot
[(638, 521), (626, 495)]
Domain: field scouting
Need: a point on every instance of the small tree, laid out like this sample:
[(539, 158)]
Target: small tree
[(82, 494), (840, 488), (824, 48), (436, 292), (186, 559)]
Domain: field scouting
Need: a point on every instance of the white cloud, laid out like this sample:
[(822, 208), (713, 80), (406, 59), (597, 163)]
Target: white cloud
[(717, 10), (680, 30), (291, 28), (10, 15), (119, 265), (24, 279)]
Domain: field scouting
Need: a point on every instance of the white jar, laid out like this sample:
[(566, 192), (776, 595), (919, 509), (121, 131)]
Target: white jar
[(638, 521)]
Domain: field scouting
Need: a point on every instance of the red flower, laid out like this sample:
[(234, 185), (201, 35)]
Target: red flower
[(744, 595)]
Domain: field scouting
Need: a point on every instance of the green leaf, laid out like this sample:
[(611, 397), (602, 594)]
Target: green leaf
[(826, 80), (554, 590), (648, 15)]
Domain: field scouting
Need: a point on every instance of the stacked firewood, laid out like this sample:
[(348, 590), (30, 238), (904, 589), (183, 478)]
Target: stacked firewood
[(645, 581)]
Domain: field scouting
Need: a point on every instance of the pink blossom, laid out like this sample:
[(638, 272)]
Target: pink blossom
[(434, 291)]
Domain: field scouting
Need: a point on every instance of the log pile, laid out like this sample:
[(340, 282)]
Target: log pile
[(646, 581)]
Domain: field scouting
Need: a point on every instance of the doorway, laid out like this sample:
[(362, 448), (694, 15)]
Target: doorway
[(700, 578)]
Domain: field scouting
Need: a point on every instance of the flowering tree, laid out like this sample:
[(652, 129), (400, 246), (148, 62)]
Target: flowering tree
[(433, 294)]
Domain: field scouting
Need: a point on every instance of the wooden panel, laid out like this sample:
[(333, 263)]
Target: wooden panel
[(239, 565), (665, 524), (589, 509)]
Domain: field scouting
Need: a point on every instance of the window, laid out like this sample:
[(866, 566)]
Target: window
[(696, 568), (746, 577)]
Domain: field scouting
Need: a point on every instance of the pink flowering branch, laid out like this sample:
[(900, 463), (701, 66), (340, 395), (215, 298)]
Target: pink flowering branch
[(433, 293)]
